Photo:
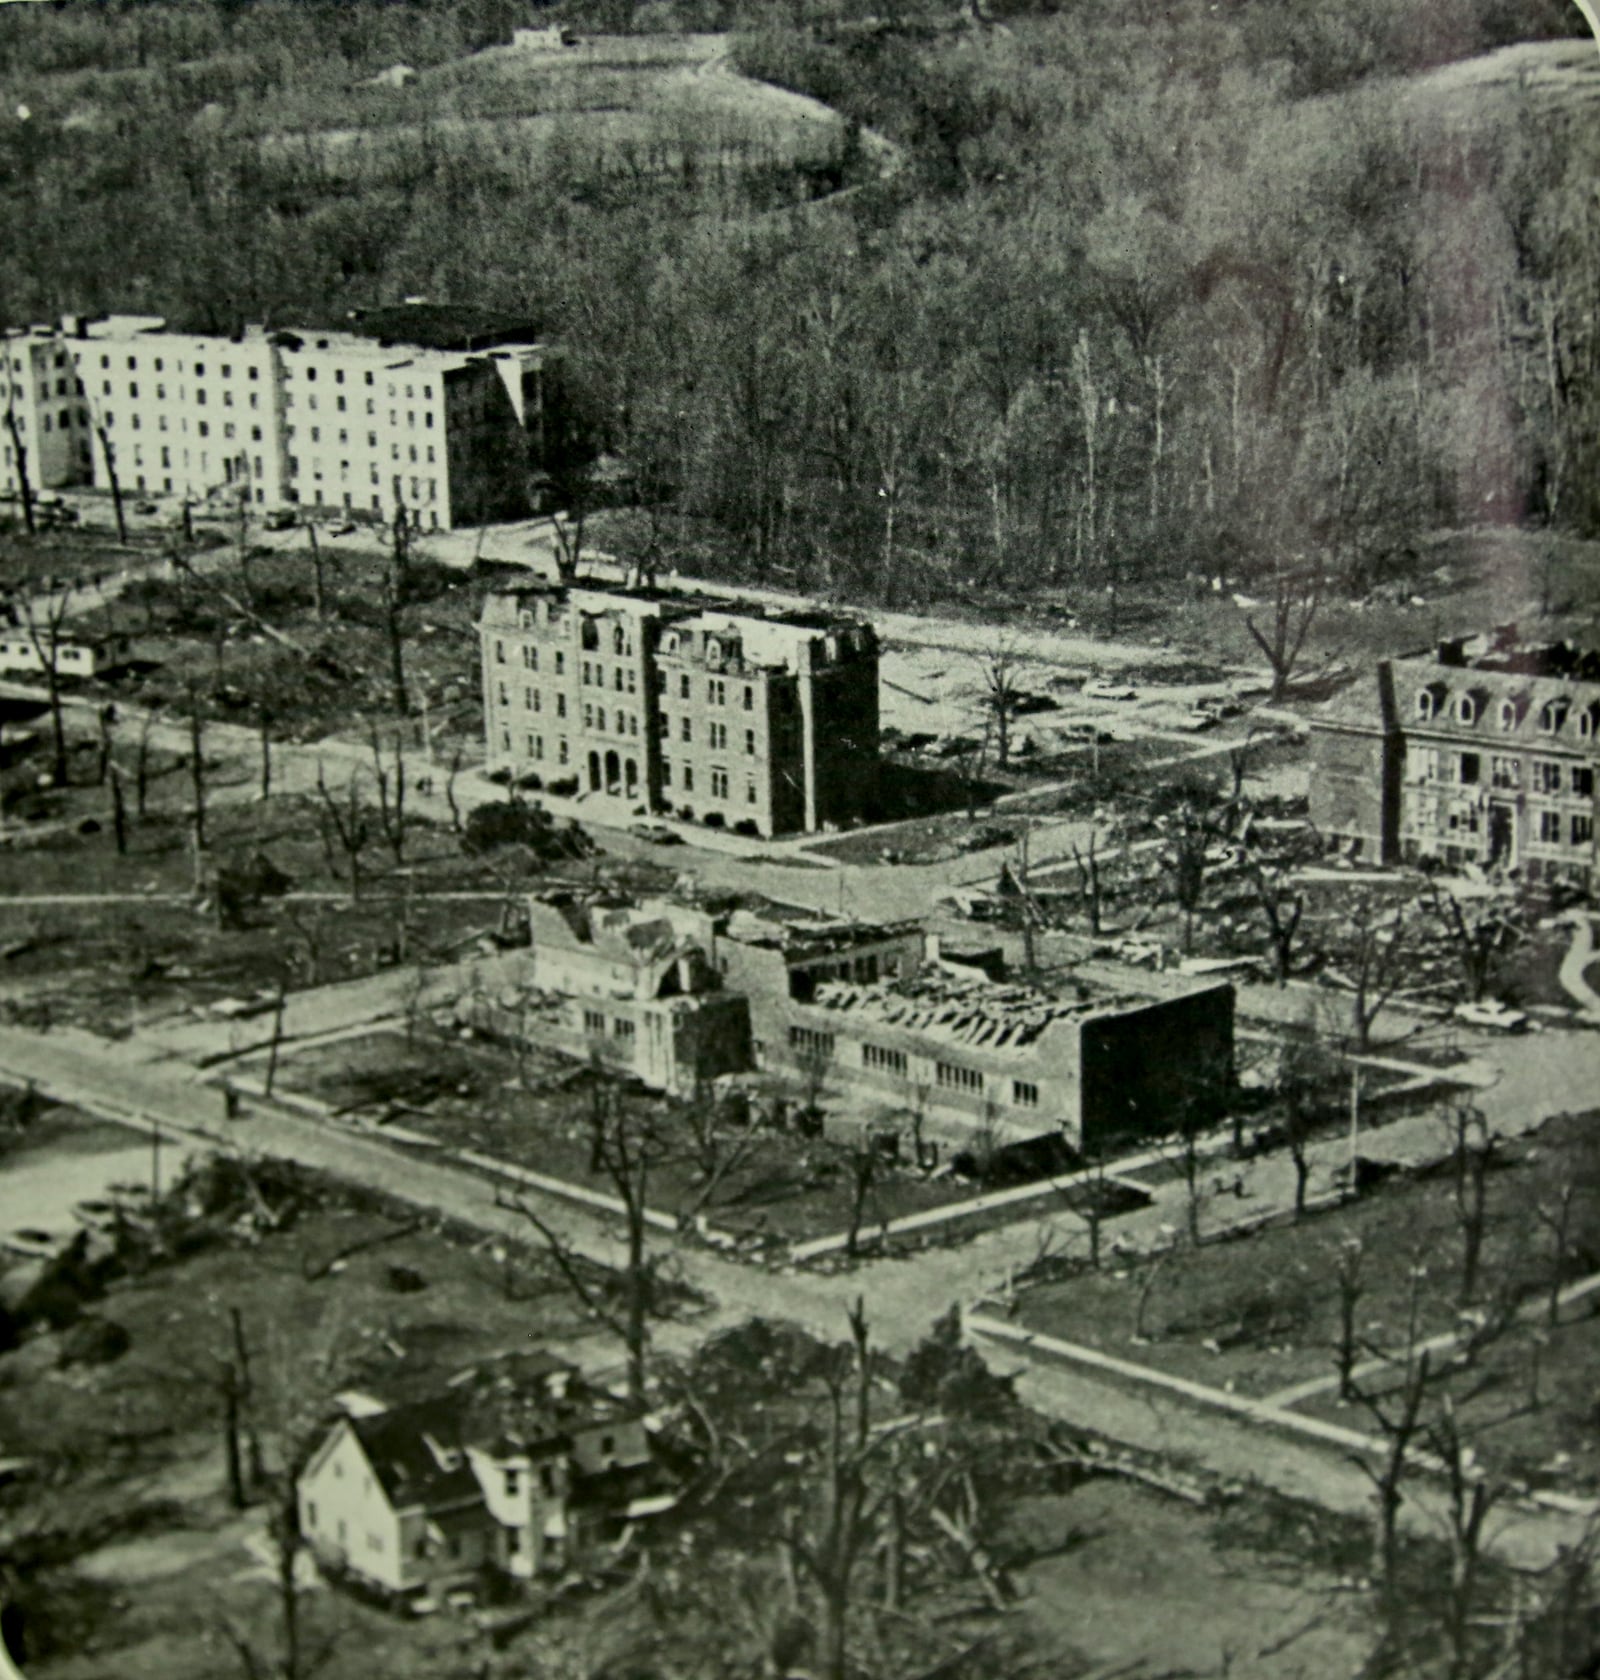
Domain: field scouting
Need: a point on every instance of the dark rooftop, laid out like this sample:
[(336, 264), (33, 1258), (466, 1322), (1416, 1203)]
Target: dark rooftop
[(440, 326)]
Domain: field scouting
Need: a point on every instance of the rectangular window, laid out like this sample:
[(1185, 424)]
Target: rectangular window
[(750, 743), (562, 756), (683, 688), (1024, 1093), (1550, 827), (717, 692), (750, 793), (594, 1021), (511, 1485), (623, 1029), (1582, 830), (666, 773), (688, 730), (954, 1078), (688, 778), (719, 736), (881, 1060), (719, 784), (1506, 772), (1469, 769), (1546, 776), (561, 662), (807, 1041), (1583, 781), (561, 705), (499, 653)]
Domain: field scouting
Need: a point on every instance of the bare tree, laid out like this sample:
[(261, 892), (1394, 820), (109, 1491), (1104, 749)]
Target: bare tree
[(1296, 599), (45, 633), (862, 1166), (264, 736), (1184, 857), (1282, 905), (1305, 1073), (717, 1142), (1399, 1417), (1481, 926), (624, 1148), (197, 773), (450, 792), (19, 453), (390, 782), (1376, 948), (141, 763), (1089, 882), (1351, 1286), (345, 826), (999, 665), (1470, 1497), (1554, 1213), (108, 451), (119, 813), (318, 592), (1472, 1151), (1090, 1199)]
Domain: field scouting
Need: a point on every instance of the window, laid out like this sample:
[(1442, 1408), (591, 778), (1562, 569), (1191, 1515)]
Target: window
[(617, 679), (561, 757), (807, 1041), (1466, 709), (717, 692), (750, 797), (683, 688), (1508, 714), (688, 730), (1546, 776), (311, 1513), (1586, 723), (666, 773), (561, 705), (588, 716), (1582, 830), (501, 689), (561, 662), (623, 1029), (719, 736), (1551, 716), (499, 652), (1550, 827), (527, 700), (511, 1484), (1469, 770), (750, 743), (688, 778), (1024, 1093), (880, 1060), (1506, 772), (594, 1021), (1583, 780), (719, 784), (255, 434), (954, 1078), (1427, 703)]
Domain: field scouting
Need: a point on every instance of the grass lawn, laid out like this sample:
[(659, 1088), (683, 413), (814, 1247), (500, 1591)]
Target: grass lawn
[(468, 1095), (1260, 1313)]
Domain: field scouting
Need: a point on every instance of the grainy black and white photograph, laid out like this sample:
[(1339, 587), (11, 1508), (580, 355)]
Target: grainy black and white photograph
[(797, 840)]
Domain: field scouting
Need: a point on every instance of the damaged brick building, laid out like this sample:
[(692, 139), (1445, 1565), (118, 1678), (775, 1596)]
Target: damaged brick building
[(765, 722), (1482, 750)]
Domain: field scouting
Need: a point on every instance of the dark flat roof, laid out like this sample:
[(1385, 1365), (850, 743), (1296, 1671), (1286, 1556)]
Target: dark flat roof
[(440, 326)]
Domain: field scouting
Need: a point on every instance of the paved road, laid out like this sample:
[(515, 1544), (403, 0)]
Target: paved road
[(903, 1295)]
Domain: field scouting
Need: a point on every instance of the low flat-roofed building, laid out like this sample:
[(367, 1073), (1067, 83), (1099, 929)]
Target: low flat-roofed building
[(870, 1018)]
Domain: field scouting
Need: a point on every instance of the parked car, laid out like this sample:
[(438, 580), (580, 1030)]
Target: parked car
[(1085, 732), (1492, 1014), (658, 834), (144, 509), (34, 1245), (346, 528), (281, 519), (1101, 689)]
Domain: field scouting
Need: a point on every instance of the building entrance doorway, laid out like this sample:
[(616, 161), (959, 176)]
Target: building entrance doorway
[(1502, 837)]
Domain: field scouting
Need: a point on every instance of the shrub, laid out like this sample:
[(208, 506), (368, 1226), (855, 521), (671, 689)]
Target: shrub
[(747, 827), (715, 819), (512, 823), (563, 787), (686, 813)]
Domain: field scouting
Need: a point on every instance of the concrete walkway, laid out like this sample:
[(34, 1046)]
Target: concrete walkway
[(1580, 955)]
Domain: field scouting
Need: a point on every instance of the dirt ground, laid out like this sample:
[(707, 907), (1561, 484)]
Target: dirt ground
[(468, 1095), (1141, 1578)]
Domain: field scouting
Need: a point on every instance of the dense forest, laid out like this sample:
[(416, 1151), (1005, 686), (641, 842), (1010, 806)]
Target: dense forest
[(1145, 288)]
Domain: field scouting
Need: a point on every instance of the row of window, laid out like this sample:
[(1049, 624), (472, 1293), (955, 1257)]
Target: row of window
[(1548, 775), (716, 690), (64, 388), (622, 1029), (626, 677), (535, 746), (719, 782), (594, 717), (950, 1076), (1467, 709), (1580, 829)]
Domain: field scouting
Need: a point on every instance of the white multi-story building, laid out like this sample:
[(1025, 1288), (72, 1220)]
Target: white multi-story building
[(358, 421)]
